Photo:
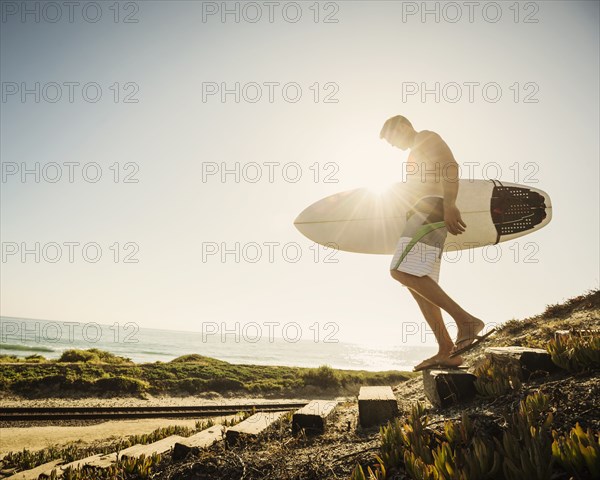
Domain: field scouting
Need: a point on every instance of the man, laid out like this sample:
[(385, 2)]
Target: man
[(416, 263)]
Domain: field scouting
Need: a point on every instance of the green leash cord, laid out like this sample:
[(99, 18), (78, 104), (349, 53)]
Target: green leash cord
[(424, 230)]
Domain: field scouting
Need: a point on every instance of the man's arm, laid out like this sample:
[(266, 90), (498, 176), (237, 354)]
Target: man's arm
[(448, 167), (452, 217)]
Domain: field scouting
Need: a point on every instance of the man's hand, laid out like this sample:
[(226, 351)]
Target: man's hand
[(454, 222)]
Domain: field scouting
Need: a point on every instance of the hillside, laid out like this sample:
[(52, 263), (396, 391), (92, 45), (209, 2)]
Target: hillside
[(572, 398)]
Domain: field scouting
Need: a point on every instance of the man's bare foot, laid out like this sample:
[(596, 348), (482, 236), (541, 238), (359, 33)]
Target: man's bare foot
[(439, 360), (467, 333)]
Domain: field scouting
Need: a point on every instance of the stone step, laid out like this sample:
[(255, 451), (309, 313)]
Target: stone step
[(376, 405), (34, 473), (159, 447), (448, 387), (202, 439), (525, 362), (252, 427), (313, 417)]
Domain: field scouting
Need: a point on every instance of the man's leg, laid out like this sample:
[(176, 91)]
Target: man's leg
[(433, 316), (468, 325)]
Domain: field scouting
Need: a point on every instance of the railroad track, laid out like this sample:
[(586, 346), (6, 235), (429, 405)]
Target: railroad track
[(15, 414)]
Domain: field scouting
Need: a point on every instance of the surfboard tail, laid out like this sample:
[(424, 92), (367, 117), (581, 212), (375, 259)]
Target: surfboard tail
[(516, 209)]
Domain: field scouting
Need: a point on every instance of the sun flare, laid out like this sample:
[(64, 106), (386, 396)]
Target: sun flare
[(380, 188)]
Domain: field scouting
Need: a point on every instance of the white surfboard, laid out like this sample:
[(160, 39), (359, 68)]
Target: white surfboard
[(364, 221)]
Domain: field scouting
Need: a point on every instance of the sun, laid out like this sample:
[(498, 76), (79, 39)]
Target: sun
[(380, 188)]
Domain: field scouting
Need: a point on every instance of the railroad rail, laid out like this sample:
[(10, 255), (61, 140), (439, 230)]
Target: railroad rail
[(15, 414)]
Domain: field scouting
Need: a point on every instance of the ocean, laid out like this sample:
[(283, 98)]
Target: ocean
[(24, 337)]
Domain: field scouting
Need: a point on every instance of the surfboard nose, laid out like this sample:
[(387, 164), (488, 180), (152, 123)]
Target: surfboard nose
[(301, 218)]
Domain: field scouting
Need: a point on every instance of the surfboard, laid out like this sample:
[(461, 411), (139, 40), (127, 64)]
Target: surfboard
[(364, 221)]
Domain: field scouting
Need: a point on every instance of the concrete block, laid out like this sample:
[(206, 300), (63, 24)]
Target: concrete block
[(313, 417), (202, 439), (159, 447), (102, 460), (525, 362), (252, 427), (376, 405), (34, 473), (448, 387)]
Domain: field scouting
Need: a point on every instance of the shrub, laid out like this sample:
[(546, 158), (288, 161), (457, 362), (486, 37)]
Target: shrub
[(588, 300), (30, 385), (76, 355), (463, 453), (35, 358), (4, 358), (108, 357), (576, 353), (121, 384), (264, 387), (526, 445), (191, 358), (578, 452), (494, 380), (192, 385), (224, 384), (324, 377), (92, 355)]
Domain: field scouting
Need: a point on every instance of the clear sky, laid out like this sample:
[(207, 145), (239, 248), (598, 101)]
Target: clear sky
[(146, 104)]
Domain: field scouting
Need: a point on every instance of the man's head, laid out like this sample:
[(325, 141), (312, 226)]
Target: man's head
[(398, 131)]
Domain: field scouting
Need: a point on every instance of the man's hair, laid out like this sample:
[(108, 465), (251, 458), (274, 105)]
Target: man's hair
[(392, 123)]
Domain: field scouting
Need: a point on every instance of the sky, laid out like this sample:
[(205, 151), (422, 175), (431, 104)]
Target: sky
[(155, 154)]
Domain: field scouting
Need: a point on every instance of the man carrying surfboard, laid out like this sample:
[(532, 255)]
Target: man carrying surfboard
[(416, 263)]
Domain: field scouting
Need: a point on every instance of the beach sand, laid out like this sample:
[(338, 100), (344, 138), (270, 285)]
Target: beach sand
[(213, 399)]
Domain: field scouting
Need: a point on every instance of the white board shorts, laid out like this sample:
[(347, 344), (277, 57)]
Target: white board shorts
[(419, 250)]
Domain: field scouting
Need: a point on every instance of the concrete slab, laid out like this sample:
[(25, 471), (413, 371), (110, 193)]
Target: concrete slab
[(525, 362), (376, 405), (252, 427), (313, 417), (448, 387), (202, 439), (159, 447), (101, 460), (34, 473)]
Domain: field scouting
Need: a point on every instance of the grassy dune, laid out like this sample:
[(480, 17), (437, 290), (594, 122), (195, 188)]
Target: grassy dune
[(93, 372)]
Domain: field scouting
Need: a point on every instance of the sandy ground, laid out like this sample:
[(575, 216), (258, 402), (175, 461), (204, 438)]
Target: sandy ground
[(149, 401), (36, 438)]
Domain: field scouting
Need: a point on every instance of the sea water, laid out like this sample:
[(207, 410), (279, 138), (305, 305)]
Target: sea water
[(24, 337)]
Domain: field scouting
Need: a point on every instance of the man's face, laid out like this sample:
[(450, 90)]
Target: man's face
[(399, 137)]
